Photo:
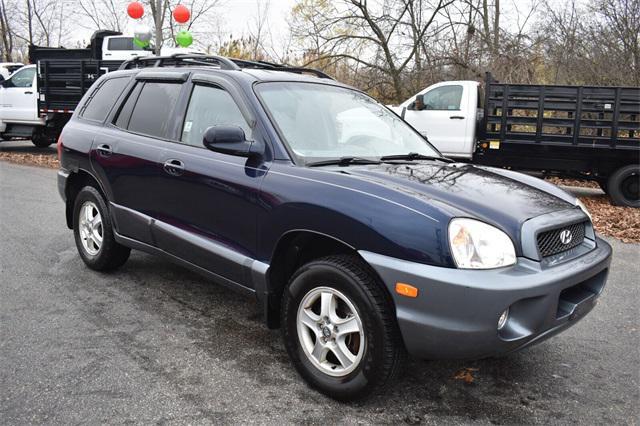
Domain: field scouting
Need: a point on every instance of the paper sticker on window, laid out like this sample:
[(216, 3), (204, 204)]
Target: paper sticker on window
[(187, 126)]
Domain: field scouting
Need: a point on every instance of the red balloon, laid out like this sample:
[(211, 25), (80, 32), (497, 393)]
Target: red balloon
[(135, 10), (181, 14)]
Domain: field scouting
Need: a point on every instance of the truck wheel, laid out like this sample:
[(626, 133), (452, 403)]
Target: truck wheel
[(624, 186), (40, 140), (339, 328), (93, 232)]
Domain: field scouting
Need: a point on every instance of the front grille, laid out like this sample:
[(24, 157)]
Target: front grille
[(551, 242)]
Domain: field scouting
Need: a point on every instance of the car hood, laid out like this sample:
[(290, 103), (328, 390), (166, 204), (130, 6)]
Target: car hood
[(501, 197)]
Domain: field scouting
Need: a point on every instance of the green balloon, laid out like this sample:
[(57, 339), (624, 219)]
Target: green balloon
[(140, 43), (184, 38)]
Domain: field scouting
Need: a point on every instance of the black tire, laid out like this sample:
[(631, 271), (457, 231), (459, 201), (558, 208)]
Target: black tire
[(40, 140), (110, 255), (384, 353), (624, 186)]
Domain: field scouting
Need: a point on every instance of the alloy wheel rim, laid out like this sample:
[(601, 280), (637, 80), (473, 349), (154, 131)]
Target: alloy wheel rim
[(330, 331), (90, 227)]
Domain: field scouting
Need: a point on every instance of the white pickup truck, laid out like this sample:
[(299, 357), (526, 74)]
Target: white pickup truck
[(583, 132), (447, 114)]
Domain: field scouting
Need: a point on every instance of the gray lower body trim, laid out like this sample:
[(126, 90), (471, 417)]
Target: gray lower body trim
[(456, 312), (125, 241)]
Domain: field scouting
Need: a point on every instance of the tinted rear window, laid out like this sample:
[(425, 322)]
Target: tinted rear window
[(153, 112), (103, 98), (123, 43)]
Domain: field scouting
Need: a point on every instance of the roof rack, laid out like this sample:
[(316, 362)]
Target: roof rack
[(222, 62)]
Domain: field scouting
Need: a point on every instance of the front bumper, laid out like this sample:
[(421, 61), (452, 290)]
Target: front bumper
[(456, 312)]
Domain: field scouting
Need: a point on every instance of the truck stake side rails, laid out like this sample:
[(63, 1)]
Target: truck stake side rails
[(356, 237), (570, 131)]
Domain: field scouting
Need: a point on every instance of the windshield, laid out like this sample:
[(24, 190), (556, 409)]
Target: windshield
[(322, 122)]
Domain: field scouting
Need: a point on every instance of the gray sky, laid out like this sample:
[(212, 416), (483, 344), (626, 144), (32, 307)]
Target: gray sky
[(233, 16)]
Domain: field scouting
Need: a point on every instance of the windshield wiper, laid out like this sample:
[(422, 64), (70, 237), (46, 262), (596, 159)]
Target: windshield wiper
[(415, 156), (343, 161)]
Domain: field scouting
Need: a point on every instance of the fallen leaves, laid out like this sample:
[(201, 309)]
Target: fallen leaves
[(466, 375), (42, 160), (622, 223)]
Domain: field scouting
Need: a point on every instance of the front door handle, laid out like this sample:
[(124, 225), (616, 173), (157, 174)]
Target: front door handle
[(104, 150), (28, 92), (173, 167), (456, 117)]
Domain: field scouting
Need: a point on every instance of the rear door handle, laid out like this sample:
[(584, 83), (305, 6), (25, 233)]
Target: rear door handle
[(173, 167), (28, 92), (456, 117), (104, 150)]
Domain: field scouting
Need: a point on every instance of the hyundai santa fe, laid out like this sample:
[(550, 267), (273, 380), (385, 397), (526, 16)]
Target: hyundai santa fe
[(356, 237)]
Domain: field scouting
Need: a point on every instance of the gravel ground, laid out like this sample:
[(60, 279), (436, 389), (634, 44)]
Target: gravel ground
[(154, 343)]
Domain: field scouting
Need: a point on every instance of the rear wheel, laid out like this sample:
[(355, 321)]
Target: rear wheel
[(624, 186), (339, 328), (93, 232)]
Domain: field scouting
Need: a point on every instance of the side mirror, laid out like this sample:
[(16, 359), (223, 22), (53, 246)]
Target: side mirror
[(231, 140)]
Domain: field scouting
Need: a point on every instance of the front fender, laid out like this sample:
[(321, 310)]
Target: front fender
[(350, 211)]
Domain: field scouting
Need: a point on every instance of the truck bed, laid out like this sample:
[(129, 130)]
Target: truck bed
[(569, 129), (63, 82)]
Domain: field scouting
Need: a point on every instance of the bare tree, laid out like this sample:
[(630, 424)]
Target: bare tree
[(6, 34), (375, 30), (103, 14)]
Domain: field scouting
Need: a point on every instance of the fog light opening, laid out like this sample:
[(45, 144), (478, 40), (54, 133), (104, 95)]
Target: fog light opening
[(503, 319)]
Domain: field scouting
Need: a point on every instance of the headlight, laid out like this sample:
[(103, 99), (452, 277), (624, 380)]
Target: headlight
[(476, 245), (584, 208)]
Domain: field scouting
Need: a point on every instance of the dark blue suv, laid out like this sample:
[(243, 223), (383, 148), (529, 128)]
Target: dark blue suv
[(354, 234)]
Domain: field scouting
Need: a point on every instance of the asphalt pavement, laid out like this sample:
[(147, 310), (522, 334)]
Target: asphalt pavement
[(155, 343)]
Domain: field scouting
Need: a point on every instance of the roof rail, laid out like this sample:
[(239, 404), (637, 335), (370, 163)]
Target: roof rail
[(222, 62), (178, 59)]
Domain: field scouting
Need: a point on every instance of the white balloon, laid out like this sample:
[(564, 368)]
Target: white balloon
[(142, 32)]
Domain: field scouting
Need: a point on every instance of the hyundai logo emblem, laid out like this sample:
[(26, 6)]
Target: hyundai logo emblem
[(566, 237)]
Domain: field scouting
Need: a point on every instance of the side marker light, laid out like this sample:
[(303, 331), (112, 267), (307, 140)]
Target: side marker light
[(406, 290)]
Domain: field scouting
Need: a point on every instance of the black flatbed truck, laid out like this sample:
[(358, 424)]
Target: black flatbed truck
[(584, 132)]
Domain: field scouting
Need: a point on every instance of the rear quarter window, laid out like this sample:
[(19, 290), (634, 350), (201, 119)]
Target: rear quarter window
[(102, 99)]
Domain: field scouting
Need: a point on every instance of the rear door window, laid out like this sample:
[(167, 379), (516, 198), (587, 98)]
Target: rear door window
[(102, 99), (153, 112)]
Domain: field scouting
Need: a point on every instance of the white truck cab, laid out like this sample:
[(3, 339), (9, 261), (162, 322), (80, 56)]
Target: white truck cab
[(446, 113), (121, 48), (19, 98)]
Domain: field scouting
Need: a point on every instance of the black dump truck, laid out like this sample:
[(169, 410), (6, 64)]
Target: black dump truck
[(61, 77), (584, 132)]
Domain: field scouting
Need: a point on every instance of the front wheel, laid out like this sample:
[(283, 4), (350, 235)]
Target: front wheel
[(339, 328)]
